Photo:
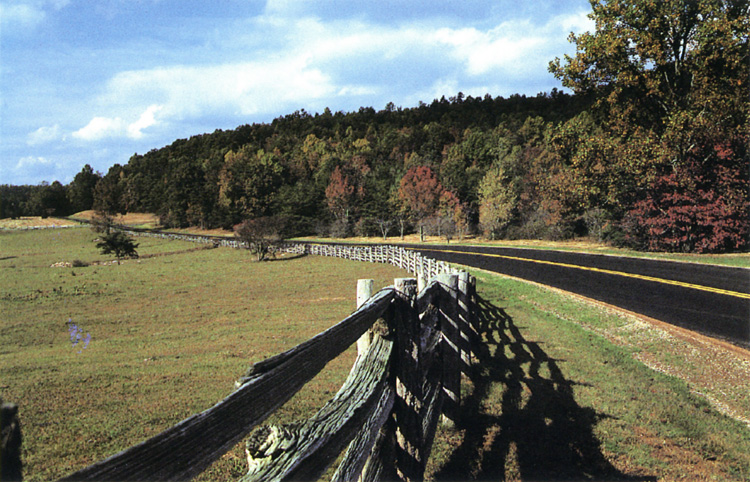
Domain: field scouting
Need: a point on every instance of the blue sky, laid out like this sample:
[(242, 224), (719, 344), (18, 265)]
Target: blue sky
[(95, 81)]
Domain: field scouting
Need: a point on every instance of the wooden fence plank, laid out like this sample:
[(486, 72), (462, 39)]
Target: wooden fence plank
[(361, 451), (410, 381), (189, 447), (304, 452)]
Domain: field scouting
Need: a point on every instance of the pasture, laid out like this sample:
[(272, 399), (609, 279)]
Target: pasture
[(169, 336), (552, 395)]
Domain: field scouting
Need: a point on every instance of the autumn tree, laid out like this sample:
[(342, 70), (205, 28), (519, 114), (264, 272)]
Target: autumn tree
[(497, 201), (419, 192), (453, 214), (667, 74), (652, 59), (342, 193)]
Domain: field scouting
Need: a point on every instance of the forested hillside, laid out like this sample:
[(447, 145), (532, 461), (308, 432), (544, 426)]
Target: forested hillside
[(651, 151)]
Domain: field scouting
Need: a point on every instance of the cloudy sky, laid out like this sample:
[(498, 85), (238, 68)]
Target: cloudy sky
[(95, 81)]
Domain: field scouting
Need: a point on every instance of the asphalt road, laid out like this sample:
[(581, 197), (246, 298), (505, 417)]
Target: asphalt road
[(711, 300)]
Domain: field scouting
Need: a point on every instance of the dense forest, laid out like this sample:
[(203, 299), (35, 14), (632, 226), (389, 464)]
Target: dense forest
[(650, 151)]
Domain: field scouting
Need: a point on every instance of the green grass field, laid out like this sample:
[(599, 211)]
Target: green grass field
[(171, 334)]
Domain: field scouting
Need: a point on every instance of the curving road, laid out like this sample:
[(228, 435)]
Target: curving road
[(711, 300)]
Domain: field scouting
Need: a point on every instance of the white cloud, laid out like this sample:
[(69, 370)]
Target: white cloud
[(577, 22), (32, 162), (232, 88), (44, 135), (25, 15), (101, 128), (482, 52), (146, 120), (311, 63), (20, 16)]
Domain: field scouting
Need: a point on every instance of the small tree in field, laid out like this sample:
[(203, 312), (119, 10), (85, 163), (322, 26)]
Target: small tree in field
[(261, 235), (117, 243)]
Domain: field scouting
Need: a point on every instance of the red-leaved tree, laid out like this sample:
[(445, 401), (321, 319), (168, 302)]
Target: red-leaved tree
[(341, 194), (419, 191), (701, 206)]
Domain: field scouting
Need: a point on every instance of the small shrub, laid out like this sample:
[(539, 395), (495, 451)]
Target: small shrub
[(77, 263), (117, 243), (340, 228), (261, 235)]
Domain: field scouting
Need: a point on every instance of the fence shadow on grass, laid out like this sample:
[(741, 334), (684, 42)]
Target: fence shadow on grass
[(522, 420), (286, 258)]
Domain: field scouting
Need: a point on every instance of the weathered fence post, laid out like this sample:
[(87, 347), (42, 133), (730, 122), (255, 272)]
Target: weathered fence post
[(451, 350), (10, 451), (364, 292), (468, 335), (408, 405)]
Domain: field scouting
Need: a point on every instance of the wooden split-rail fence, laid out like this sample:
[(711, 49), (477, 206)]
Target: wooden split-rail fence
[(412, 349), (414, 341)]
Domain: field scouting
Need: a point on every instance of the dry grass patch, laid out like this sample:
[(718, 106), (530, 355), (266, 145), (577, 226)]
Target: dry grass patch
[(27, 222), (145, 220)]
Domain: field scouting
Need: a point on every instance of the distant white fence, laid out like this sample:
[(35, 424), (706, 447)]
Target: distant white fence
[(409, 260)]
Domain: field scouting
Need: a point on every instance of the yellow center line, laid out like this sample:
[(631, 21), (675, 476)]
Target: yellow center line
[(600, 270)]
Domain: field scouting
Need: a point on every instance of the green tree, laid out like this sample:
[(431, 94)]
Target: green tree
[(249, 181), (81, 189), (497, 201), (109, 192), (52, 200), (666, 74), (117, 243), (654, 58)]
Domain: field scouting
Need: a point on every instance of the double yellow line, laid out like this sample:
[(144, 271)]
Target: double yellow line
[(599, 270)]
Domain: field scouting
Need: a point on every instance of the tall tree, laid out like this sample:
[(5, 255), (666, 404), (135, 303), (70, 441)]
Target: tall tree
[(654, 58), (667, 73), (108, 193), (248, 181), (342, 194), (420, 190), (498, 198), (81, 189), (52, 200)]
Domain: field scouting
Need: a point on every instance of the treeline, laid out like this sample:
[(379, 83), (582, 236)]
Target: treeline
[(53, 199), (338, 172), (650, 152), (343, 173)]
